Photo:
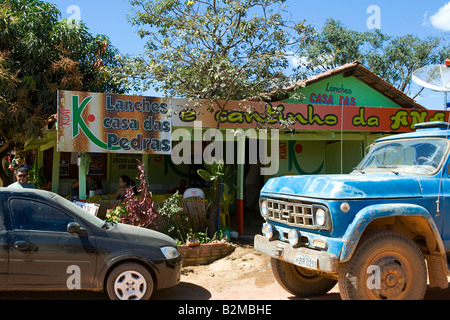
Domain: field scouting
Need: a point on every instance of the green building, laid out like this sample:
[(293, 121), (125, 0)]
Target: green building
[(342, 112)]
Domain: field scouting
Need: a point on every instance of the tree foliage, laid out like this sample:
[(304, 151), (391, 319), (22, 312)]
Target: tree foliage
[(393, 58), (40, 54), (218, 50), (399, 57)]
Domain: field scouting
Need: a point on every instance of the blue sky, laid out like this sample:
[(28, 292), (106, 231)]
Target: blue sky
[(394, 17)]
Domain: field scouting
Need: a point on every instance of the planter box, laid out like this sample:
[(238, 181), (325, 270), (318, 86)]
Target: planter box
[(204, 253)]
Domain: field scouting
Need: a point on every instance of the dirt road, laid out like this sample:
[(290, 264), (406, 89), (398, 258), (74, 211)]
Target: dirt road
[(244, 275)]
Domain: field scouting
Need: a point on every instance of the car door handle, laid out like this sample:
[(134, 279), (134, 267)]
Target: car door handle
[(21, 245)]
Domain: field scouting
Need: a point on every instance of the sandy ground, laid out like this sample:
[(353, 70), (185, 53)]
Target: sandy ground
[(245, 274)]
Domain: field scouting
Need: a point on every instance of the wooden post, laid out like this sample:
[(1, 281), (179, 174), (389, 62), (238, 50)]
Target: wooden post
[(83, 169), (240, 185), (55, 170)]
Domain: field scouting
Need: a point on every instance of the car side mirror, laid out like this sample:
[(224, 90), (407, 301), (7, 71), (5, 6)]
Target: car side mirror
[(74, 227)]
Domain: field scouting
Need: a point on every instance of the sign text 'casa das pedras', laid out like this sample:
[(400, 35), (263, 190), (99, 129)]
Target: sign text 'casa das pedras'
[(96, 122)]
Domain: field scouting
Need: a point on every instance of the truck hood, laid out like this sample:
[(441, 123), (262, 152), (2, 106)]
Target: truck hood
[(351, 186)]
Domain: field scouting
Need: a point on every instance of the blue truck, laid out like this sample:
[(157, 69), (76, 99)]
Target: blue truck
[(380, 232)]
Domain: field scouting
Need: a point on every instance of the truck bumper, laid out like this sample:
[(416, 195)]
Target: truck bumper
[(302, 257)]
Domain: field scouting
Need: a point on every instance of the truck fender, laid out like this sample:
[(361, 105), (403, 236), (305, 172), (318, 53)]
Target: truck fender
[(370, 213)]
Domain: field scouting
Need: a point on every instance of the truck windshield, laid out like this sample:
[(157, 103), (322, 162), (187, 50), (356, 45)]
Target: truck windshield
[(408, 156)]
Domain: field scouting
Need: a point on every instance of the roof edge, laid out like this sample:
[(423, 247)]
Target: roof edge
[(356, 65)]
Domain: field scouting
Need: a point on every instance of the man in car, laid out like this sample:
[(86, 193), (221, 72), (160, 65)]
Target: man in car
[(22, 179)]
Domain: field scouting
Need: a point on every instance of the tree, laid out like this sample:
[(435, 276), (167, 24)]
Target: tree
[(39, 55), (333, 46), (401, 56), (392, 58), (215, 50)]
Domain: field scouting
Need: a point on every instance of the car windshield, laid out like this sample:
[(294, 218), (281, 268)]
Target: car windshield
[(408, 156), (78, 210)]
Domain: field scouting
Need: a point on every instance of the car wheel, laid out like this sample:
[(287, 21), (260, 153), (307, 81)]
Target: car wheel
[(386, 266), (301, 282), (129, 281)]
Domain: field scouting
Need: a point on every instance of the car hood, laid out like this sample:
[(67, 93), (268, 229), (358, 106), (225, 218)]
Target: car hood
[(351, 186), (132, 234)]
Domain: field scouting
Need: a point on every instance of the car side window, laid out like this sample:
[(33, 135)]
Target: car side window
[(34, 215)]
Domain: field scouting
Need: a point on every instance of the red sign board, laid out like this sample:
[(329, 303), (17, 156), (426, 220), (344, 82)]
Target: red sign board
[(315, 117)]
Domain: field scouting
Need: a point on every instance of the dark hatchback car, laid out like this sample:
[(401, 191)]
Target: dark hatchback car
[(48, 243)]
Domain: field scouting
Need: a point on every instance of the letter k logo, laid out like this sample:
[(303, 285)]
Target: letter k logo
[(79, 123)]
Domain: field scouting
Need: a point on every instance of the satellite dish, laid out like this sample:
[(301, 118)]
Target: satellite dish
[(435, 77)]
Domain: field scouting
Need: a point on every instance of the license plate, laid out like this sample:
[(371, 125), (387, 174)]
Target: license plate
[(306, 261)]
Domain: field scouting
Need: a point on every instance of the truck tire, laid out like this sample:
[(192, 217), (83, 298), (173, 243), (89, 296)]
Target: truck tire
[(301, 282), (385, 265)]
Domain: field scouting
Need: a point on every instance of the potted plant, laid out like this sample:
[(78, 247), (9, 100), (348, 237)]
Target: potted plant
[(222, 189)]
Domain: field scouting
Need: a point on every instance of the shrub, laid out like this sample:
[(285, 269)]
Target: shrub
[(135, 210)]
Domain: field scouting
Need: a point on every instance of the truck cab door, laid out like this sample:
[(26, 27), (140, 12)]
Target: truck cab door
[(442, 218)]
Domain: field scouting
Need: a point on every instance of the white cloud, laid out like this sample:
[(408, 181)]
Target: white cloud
[(441, 19)]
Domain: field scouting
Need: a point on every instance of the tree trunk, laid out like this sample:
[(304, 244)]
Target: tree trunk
[(3, 175), (4, 149)]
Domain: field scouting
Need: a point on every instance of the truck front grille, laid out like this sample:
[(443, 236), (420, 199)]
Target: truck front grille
[(291, 213)]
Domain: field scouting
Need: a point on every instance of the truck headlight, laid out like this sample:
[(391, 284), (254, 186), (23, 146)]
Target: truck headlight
[(321, 217), (263, 208)]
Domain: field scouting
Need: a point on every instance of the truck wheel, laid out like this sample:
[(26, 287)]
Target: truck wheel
[(386, 265), (302, 283)]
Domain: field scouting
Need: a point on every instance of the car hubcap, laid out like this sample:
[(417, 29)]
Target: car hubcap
[(130, 285)]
